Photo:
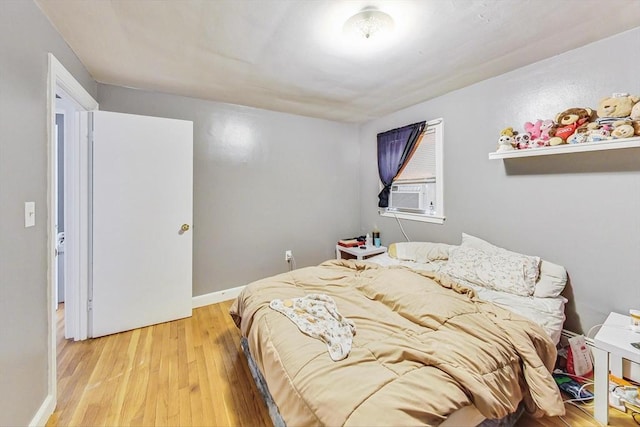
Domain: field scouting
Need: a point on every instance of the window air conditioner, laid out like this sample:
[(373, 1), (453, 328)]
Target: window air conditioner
[(412, 197)]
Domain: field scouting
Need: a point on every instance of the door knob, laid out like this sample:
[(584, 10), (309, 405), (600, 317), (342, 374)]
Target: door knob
[(185, 227)]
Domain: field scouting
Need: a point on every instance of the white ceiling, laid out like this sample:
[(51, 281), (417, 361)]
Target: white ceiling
[(292, 55)]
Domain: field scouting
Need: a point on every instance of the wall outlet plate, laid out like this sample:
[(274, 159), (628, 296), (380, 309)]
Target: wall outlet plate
[(288, 254)]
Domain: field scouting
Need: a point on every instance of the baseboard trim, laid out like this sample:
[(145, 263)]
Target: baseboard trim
[(46, 409), (216, 297)]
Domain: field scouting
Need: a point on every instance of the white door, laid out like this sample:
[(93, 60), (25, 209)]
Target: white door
[(141, 217)]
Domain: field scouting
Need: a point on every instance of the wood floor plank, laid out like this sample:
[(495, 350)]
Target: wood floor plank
[(190, 372), (151, 396), (134, 403), (164, 368)]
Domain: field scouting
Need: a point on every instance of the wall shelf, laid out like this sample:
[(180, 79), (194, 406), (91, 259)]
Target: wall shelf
[(612, 144)]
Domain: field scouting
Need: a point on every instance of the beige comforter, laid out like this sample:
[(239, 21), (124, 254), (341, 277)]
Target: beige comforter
[(424, 347)]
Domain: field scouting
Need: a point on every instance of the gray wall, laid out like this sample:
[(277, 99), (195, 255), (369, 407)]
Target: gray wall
[(264, 182), (580, 210), (25, 38)]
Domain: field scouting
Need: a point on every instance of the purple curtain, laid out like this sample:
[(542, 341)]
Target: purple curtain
[(394, 147)]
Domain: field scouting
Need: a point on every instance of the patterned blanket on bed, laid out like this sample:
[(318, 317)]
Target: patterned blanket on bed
[(317, 316)]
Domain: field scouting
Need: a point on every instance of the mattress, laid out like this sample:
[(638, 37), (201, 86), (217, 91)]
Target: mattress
[(425, 352), (467, 416)]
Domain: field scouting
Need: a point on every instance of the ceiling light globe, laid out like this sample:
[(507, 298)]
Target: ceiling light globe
[(368, 23)]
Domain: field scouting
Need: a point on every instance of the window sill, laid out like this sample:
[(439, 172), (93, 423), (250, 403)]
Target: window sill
[(412, 216)]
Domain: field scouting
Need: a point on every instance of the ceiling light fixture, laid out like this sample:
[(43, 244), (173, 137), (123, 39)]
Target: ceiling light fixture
[(368, 23)]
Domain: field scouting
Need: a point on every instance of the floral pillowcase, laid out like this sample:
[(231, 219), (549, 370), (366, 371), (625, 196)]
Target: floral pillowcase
[(500, 270)]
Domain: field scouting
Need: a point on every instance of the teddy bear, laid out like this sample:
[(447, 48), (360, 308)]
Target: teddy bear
[(622, 129), (614, 108), (635, 118), (568, 122)]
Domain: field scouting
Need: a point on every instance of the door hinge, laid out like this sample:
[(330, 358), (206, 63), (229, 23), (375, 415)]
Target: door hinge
[(90, 305)]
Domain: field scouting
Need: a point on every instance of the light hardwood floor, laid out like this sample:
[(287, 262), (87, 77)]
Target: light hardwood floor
[(189, 372)]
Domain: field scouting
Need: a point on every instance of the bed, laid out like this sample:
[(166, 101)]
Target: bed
[(427, 348)]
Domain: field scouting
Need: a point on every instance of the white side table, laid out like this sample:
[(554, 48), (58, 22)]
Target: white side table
[(612, 344), (357, 253)]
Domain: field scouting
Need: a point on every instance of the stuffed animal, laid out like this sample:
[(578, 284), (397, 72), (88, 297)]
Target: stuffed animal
[(508, 132), (612, 108), (547, 128), (505, 143), (635, 111), (622, 129), (534, 128), (507, 140), (635, 118), (523, 140), (577, 138), (596, 132), (568, 122)]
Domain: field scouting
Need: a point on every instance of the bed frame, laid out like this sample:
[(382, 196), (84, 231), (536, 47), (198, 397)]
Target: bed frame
[(508, 421)]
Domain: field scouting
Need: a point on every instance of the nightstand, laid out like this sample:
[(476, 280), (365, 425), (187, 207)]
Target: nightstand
[(612, 344), (357, 253)]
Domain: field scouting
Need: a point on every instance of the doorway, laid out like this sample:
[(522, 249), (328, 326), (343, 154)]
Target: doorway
[(67, 214), (59, 209), (68, 98)]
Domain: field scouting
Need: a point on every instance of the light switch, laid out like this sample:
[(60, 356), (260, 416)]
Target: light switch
[(29, 214)]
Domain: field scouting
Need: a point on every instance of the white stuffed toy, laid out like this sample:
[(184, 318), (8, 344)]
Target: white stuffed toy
[(505, 143), (507, 140)]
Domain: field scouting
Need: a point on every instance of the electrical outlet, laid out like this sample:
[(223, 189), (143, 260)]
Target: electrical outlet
[(288, 254)]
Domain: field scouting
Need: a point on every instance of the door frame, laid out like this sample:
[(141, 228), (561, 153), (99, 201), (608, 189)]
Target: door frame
[(59, 79)]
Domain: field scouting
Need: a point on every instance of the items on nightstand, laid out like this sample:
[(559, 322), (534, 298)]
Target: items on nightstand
[(352, 242), (376, 238), (368, 240), (635, 321)]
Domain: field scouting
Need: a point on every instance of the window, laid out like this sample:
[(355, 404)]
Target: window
[(417, 192)]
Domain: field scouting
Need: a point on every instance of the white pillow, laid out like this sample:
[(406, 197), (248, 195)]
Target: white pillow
[(421, 252), (552, 278), (502, 270)]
